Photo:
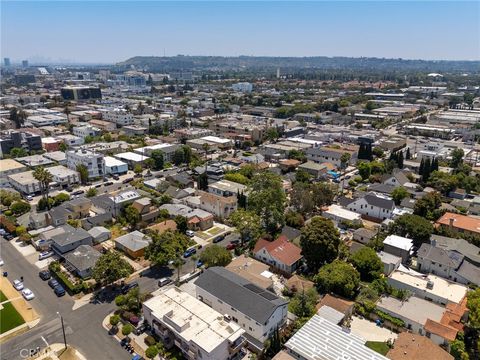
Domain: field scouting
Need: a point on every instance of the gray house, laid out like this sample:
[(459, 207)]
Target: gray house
[(71, 239), (82, 260)]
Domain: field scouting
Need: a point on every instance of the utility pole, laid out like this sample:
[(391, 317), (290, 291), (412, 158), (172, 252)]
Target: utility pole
[(63, 330)]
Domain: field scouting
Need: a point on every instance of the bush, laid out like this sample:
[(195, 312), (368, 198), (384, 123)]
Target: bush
[(120, 300), (126, 315), (151, 352), (150, 340), (386, 317), (134, 320), (127, 329), (20, 207), (54, 267), (8, 213), (358, 179), (114, 320)]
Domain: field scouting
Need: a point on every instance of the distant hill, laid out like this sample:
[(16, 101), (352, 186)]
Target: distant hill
[(220, 63)]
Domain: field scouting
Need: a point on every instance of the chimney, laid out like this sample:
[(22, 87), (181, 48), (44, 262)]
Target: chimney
[(450, 222)]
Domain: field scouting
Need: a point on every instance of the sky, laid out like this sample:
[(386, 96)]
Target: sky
[(113, 31)]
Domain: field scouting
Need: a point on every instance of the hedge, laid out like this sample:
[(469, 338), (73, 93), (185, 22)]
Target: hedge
[(385, 317), (74, 289)]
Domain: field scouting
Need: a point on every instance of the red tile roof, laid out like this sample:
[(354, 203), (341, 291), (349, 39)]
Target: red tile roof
[(463, 222), (441, 330), (280, 249)]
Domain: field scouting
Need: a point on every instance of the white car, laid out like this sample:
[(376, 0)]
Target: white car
[(2, 262), (190, 233), (45, 255), (17, 284), (28, 294), (29, 197)]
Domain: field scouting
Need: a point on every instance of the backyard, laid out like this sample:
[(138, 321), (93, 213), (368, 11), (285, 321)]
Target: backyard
[(378, 346), (9, 316)]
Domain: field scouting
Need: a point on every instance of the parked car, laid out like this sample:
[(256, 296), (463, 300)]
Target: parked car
[(3, 232), (164, 281), (45, 275), (231, 246), (116, 177), (190, 233), (199, 263), (53, 283), (59, 290), (8, 236), (127, 287), (29, 197), (127, 180), (219, 238), (2, 262), (189, 252), (78, 192), (17, 284), (108, 183), (28, 294), (45, 255), (141, 328)]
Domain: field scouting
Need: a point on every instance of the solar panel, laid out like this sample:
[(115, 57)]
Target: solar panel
[(269, 296), (254, 288)]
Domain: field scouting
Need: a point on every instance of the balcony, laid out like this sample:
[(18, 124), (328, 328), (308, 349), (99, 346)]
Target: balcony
[(237, 345)]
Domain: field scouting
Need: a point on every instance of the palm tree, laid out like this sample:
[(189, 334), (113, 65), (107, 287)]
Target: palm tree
[(44, 177), (194, 261), (177, 264), (344, 159)]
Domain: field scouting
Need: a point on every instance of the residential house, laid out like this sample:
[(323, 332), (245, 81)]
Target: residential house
[(297, 283), (148, 212), (459, 223), (340, 214), (410, 346), (373, 206), (99, 234), (363, 235), (133, 244), (71, 239), (461, 246), (390, 262), (252, 270), (345, 307), (259, 312), (399, 246), (82, 260), (280, 254), (199, 219), (220, 206), (316, 170), (322, 339), (199, 331), (226, 188), (290, 233)]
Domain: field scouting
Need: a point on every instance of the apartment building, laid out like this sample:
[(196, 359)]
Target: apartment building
[(120, 117), (19, 139), (94, 162), (258, 311), (9, 167), (86, 130), (167, 149), (197, 330), (331, 154), (226, 188), (238, 130), (64, 176), (24, 182)]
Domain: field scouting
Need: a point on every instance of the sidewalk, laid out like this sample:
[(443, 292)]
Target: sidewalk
[(137, 342), (58, 352), (21, 305)]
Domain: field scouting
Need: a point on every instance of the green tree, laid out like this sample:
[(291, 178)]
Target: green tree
[(272, 134), (83, 172), (60, 198), (91, 192), (247, 223), (18, 152), (344, 160), (302, 176), (137, 169), (267, 199), (429, 206), (178, 157), (132, 216), (110, 267), (166, 246), (151, 351), (63, 147), (338, 277), (157, 156), (297, 155), (127, 329), (442, 181), (294, 219), (182, 224), (237, 177), (364, 170), (18, 117), (368, 264), (44, 177), (202, 181), (303, 303), (20, 207), (114, 320), (319, 241), (398, 194), (301, 198), (216, 255), (457, 158), (412, 226)]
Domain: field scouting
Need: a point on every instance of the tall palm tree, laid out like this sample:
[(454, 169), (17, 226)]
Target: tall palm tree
[(44, 177), (177, 264)]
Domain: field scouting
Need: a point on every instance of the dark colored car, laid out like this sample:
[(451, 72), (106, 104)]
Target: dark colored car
[(53, 283), (59, 290), (116, 177), (189, 252), (127, 287), (108, 183), (218, 238), (127, 180), (78, 192), (8, 237), (231, 246), (141, 328), (45, 275)]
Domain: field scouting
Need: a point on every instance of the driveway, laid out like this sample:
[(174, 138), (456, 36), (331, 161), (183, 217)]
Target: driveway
[(369, 331)]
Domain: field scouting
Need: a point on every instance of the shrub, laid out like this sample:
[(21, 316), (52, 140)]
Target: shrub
[(114, 320), (127, 329), (151, 352), (134, 320), (150, 340), (8, 213), (20, 207), (120, 300), (126, 315)]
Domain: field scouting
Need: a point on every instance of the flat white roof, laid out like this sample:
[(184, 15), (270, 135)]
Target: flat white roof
[(131, 156), (399, 242), (111, 161), (193, 320), (343, 213), (216, 139), (416, 309)]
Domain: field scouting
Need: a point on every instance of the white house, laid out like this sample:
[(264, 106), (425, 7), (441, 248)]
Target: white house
[(258, 311), (374, 206), (280, 254)]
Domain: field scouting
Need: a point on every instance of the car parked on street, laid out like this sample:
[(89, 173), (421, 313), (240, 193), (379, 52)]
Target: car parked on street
[(28, 294), (17, 284), (127, 287), (45, 255), (231, 246), (59, 290), (189, 252), (45, 275), (53, 283), (190, 233), (164, 281)]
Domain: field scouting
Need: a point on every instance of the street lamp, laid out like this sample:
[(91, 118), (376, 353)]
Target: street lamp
[(63, 330)]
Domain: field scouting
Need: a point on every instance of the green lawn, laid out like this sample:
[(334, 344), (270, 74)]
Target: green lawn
[(378, 346), (9, 317)]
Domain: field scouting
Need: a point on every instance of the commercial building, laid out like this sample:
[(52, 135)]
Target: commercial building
[(80, 93), (86, 130), (19, 139), (196, 329), (245, 87), (9, 167), (64, 176), (94, 162), (24, 182), (114, 166), (259, 312)]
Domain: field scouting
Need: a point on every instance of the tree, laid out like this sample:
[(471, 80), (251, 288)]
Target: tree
[(44, 177), (267, 199), (472, 334), (247, 223), (110, 267), (166, 246), (319, 241), (398, 194), (18, 152), (91, 192), (132, 216), (323, 193), (202, 181), (182, 224), (364, 170), (338, 277), (60, 198), (151, 351), (236, 177), (368, 264), (344, 160), (157, 156), (178, 157), (303, 303), (302, 176), (83, 172), (407, 154), (137, 169), (63, 147), (297, 155), (18, 117), (427, 170), (412, 226), (114, 320), (294, 219), (127, 329), (442, 181), (429, 206), (272, 134), (457, 158), (215, 255), (20, 207)]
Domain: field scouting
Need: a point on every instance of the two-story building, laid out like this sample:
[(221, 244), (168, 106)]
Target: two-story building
[(258, 311), (373, 205), (280, 254)]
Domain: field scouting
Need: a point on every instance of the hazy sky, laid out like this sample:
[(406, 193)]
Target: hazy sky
[(113, 31)]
